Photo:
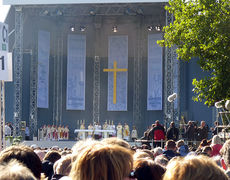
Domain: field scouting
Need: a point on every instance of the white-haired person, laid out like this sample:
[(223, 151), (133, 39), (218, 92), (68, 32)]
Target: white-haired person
[(216, 145)]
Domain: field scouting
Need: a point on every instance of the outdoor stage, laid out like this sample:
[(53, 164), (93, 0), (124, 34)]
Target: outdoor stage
[(60, 144)]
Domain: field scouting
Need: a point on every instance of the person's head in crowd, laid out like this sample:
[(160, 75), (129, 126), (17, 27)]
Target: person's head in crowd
[(170, 145), (207, 150), (41, 154), (14, 170), (202, 124), (216, 140), (145, 146), (204, 143), (142, 153), (161, 160), (117, 141), (139, 154), (52, 156), (182, 147), (157, 123), (216, 123), (225, 152), (172, 124), (194, 168), (146, 169), (25, 155), (157, 151), (102, 161), (63, 165), (47, 164)]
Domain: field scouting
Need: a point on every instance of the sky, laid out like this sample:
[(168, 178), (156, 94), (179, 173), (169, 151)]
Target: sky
[(3, 11)]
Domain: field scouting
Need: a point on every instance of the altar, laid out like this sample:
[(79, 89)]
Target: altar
[(84, 131)]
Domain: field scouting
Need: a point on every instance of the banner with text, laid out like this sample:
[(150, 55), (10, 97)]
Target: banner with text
[(76, 64), (117, 73), (154, 92), (43, 69), (4, 61)]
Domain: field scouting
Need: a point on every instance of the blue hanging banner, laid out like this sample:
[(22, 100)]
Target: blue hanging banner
[(117, 73), (76, 63), (43, 69), (154, 92)]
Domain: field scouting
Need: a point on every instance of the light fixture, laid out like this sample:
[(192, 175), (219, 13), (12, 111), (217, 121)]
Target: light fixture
[(114, 29), (158, 28), (140, 11), (44, 13), (82, 28), (59, 12), (92, 12), (72, 28), (150, 28)]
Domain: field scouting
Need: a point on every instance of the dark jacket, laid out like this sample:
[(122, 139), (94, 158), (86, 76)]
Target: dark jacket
[(169, 154), (202, 133), (157, 133), (190, 132), (172, 133)]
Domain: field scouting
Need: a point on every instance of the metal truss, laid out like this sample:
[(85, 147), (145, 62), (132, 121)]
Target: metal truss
[(171, 81), (176, 86), (96, 90), (33, 95), (58, 79), (168, 78), (137, 113), (110, 9), (18, 55)]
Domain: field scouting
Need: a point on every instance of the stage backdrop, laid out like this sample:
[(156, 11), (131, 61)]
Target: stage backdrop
[(154, 91), (76, 61), (118, 54), (43, 69)]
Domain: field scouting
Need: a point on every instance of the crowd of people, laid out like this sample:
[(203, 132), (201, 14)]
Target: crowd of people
[(191, 132), (114, 159), (53, 132)]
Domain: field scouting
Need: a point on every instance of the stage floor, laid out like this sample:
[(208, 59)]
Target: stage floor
[(60, 144)]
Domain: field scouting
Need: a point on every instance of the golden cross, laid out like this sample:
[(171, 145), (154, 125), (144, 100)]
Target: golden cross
[(115, 70)]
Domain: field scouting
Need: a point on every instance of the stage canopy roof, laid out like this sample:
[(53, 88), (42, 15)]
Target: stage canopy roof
[(42, 2)]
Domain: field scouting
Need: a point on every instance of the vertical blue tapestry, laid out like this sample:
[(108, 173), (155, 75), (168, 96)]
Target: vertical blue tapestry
[(118, 54), (43, 69), (76, 61), (154, 92)]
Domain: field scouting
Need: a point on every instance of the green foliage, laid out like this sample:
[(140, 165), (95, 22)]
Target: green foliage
[(201, 28)]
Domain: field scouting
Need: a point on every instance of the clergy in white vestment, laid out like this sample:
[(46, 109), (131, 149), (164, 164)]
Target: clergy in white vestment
[(119, 130), (90, 127), (105, 127), (134, 135), (126, 132)]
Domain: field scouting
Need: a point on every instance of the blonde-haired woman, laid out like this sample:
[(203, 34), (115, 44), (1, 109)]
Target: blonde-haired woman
[(102, 162), (194, 168), (216, 145)]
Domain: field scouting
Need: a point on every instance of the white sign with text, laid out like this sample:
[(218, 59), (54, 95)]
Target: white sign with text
[(5, 73)]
